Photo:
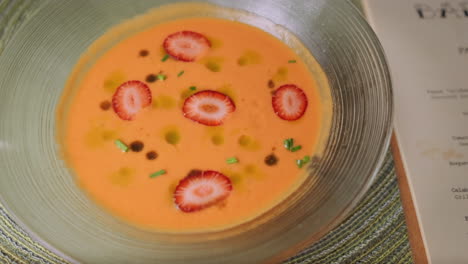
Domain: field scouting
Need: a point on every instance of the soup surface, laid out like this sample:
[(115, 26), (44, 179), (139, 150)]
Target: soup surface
[(193, 124)]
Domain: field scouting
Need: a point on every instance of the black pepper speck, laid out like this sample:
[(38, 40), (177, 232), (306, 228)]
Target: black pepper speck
[(271, 160), (144, 53), (105, 105), (151, 78), (136, 146), (152, 155)]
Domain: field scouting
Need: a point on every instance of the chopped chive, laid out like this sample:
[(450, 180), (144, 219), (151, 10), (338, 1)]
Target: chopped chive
[(122, 146), (165, 58), (300, 163), (161, 77), (288, 143), (158, 173), (232, 160), (193, 88), (180, 73), (292, 61), (296, 148)]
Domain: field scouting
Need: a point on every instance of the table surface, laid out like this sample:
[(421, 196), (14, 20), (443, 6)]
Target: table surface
[(375, 232)]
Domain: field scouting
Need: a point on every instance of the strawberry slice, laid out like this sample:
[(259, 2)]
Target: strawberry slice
[(208, 107), (186, 45), (129, 98), (289, 102), (201, 189)]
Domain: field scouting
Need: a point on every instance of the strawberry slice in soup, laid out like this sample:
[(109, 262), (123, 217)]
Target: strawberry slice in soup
[(201, 189), (208, 107), (289, 102), (129, 98), (186, 45)]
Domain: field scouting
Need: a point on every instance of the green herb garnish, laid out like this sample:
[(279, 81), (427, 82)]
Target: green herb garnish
[(165, 58), (193, 88), (232, 160), (122, 146), (296, 148), (180, 73), (301, 162), (288, 143), (158, 173), (161, 77), (292, 61)]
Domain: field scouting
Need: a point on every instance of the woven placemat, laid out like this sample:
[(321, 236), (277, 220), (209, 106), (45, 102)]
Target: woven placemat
[(374, 233)]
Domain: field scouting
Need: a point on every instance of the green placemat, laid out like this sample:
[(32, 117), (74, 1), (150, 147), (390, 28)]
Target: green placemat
[(374, 233)]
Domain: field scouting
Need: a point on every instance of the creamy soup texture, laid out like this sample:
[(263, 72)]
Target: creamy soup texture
[(192, 124)]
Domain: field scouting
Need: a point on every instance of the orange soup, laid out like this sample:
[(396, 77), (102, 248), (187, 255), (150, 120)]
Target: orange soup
[(190, 125)]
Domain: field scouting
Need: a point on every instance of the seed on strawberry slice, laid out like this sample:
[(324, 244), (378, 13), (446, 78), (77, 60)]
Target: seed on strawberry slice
[(129, 98), (289, 102), (186, 45), (208, 107), (201, 189)]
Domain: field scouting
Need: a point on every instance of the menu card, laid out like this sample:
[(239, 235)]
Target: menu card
[(426, 43)]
